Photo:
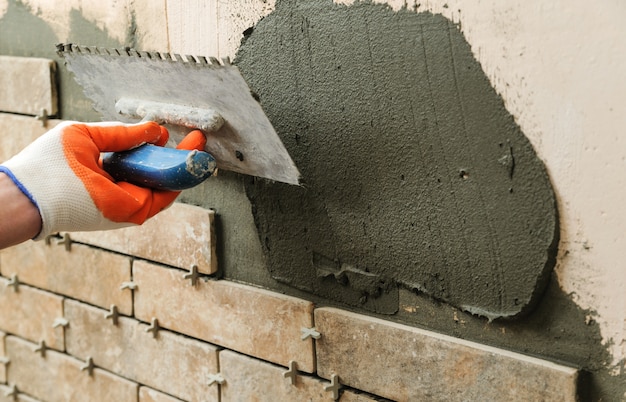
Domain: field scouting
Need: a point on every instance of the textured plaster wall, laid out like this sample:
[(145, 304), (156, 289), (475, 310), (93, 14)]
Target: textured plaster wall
[(557, 65)]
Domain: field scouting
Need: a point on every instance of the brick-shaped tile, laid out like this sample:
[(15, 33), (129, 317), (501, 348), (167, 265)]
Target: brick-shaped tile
[(58, 377), (182, 236), (170, 362), (31, 313), (247, 378), (410, 364), (84, 273), (28, 85), (16, 132), (250, 320)]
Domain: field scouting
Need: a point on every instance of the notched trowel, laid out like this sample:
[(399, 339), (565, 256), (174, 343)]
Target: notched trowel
[(182, 93)]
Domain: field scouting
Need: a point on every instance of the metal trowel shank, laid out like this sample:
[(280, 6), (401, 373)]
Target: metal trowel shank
[(188, 92)]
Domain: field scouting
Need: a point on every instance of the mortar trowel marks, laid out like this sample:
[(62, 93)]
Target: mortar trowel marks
[(183, 93)]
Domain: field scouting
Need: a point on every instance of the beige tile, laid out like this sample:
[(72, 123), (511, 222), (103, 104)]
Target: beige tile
[(6, 396), (406, 364), (18, 131), (247, 378), (192, 27), (58, 377), (249, 320), (27, 85), (151, 23), (84, 273), (151, 395), (171, 363), (181, 236), (3, 359), (30, 313)]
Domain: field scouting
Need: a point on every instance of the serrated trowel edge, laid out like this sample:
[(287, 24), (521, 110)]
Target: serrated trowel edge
[(247, 143)]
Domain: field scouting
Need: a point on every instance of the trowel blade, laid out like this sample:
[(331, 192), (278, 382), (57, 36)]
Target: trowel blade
[(247, 142)]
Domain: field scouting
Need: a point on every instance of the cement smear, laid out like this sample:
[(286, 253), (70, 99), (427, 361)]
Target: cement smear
[(415, 173)]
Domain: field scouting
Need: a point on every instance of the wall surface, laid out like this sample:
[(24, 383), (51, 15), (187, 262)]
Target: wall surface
[(558, 68)]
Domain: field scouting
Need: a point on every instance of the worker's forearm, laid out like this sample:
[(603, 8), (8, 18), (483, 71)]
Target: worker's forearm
[(19, 217)]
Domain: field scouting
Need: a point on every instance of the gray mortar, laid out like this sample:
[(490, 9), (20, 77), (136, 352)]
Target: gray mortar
[(415, 173)]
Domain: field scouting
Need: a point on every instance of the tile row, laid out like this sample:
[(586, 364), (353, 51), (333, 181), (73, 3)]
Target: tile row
[(180, 352)]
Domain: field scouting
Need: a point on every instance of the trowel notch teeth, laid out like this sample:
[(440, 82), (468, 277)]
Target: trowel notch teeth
[(64, 49)]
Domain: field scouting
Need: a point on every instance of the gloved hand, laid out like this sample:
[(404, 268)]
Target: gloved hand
[(61, 173)]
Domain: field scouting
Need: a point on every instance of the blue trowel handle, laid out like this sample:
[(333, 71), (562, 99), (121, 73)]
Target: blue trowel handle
[(159, 167)]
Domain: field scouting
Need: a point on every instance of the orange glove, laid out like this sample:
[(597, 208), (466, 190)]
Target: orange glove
[(61, 174)]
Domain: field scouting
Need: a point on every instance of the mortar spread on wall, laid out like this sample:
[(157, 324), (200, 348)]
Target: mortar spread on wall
[(415, 173)]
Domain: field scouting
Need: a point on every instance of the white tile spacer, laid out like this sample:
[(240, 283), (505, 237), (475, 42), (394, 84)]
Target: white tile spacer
[(14, 282), (88, 366), (334, 386), (12, 392), (41, 348), (192, 275), (292, 373), (154, 328), (128, 285), (60, 322), (216, 379), (113, 314), (310, 333)]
